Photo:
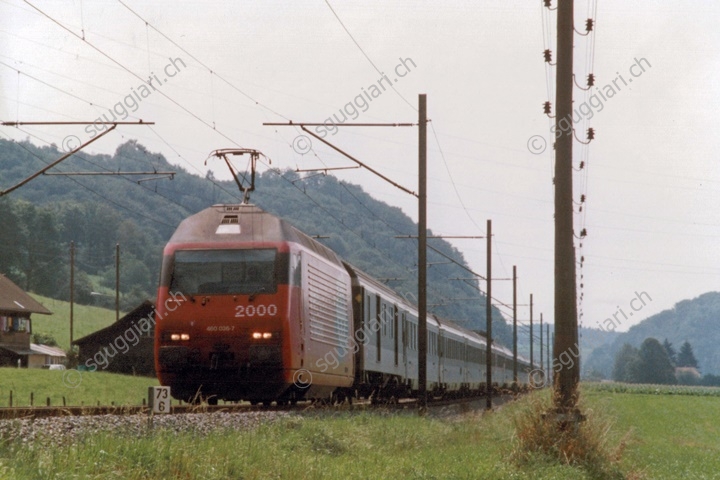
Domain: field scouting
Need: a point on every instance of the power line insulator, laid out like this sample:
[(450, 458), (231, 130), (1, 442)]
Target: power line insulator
[(590, 133), (589, 25), (547, 109), (548, 3), (591, 80), (583, 233), (582, 165), (582, 198), (547, 54)]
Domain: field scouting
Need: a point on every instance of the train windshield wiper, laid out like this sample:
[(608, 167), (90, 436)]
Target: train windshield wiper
[(255, 293)]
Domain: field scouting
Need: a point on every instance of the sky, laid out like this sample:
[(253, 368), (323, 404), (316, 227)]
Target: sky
[(210, 73)]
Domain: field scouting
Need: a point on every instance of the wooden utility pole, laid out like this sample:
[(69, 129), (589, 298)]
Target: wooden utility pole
[(566, 334), (515, 369), (422, 249), (117, 282), (488, 318), (532, 363), (541, 343), (72, 288), (547, 337)]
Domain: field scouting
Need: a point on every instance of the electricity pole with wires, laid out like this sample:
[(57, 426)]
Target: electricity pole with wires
[(566, 325)]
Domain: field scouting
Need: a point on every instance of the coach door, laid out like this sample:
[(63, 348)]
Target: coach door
[(396, 334), (405, 339), (441, 356), (465, 361), (380, 327)]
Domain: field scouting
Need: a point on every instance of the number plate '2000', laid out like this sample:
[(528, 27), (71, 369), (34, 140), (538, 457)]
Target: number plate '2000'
[(255, 311)]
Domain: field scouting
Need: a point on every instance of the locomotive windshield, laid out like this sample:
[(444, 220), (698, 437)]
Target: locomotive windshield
[(204, 272)]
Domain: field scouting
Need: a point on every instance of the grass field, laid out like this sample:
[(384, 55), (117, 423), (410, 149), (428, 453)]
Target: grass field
[(78, 388), (670, 437), (86, 320)]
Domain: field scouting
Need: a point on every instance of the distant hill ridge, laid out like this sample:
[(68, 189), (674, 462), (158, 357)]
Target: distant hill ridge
[(696, 320), (96, 212)]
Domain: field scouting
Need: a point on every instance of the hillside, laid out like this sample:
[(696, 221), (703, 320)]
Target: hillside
[(696, 320), (98, 212), (86, 320)]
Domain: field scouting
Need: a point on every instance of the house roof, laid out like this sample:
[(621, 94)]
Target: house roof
[(17, 349), (14, 300), (145, 309), (35, 350), (46, 350)]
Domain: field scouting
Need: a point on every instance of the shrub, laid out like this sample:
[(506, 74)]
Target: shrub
[(589, 445)]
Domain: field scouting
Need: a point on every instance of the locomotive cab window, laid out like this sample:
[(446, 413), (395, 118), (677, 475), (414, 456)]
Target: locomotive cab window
[(206, 272)]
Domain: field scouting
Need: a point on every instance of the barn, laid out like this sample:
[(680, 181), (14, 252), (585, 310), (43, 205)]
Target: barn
[(126, 346)]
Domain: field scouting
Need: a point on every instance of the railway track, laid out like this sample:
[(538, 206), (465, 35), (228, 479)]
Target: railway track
[(7, 413)]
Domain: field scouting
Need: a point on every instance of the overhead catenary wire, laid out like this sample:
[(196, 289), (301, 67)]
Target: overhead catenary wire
[(116, 62), (337, 17), (201, 119)]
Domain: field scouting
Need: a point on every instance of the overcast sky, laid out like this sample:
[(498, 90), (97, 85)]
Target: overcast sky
[(651, 177)]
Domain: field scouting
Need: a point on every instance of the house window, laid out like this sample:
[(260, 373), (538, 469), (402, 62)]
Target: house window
[(14, 324)]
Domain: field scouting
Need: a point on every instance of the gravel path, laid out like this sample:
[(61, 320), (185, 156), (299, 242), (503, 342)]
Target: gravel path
[(67, 430)]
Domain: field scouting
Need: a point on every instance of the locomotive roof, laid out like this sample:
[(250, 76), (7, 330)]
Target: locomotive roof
[(244, 223)]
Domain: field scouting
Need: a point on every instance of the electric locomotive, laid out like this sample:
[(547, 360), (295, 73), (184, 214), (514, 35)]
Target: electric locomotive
[(246, 306)]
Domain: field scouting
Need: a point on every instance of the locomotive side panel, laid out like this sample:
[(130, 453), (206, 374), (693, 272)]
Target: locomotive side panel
[(327, 333)]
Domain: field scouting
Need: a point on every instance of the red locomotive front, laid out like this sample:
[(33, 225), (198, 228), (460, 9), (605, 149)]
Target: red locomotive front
[(247, 309)]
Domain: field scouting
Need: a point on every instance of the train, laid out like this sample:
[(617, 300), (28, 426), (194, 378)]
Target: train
[(249, 308)]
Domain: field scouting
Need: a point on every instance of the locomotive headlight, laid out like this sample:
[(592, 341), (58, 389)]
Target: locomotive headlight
[(176, 337), (184, 336), (261, 335)]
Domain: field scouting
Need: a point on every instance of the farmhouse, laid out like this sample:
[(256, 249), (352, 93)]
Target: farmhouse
[(16, 329)]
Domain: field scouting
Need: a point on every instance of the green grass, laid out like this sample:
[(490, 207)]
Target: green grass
[(365, 446), (78, 388), (670, 437), (613, 387), (86, 320)]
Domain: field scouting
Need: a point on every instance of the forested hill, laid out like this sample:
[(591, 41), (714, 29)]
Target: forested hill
[(696, 320), (41, 218)]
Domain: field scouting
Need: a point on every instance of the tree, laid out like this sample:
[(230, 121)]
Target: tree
[(672, 354), (44, 339), (41, 258), (653, 364), (686, 357), (9, 241), (624, 364)]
